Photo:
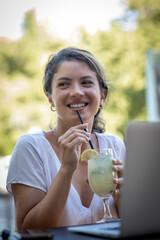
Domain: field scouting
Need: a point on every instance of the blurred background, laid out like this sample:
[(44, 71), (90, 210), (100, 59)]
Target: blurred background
[(122, 34)]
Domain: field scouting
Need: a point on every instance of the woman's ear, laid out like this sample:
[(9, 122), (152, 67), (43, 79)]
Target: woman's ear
[(49, 96), (103, 95)]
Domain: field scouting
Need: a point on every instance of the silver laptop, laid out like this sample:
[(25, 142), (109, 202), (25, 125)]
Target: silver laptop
[(140, 203)]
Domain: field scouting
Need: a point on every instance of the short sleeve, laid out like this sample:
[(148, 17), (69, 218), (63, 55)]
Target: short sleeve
[(114, 142), (121, 148), (26, 166)]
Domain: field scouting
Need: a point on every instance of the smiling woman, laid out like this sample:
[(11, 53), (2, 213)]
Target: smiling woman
[(79, 63), (78, 90), (46, 177)]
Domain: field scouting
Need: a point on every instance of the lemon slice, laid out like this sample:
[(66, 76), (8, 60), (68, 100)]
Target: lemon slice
[(88, 154)]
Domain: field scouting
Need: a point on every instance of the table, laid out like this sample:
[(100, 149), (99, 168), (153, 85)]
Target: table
[(62, 233)]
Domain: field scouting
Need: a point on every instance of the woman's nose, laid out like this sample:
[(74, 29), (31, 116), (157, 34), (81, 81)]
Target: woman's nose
[(76, 90)]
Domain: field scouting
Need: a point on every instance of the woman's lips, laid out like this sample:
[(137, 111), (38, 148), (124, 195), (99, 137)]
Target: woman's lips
[(76, 106)]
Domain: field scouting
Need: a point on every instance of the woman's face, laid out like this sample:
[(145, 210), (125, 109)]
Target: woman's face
[(75, 87)]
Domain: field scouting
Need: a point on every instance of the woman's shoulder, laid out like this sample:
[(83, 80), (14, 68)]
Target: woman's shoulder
[(30, 142), (110, 137), (31, 138), (113, 141)]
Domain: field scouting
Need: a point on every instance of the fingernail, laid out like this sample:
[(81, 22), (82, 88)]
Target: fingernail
[(114, 161), (116, 180), (115, 168), (116, 191)]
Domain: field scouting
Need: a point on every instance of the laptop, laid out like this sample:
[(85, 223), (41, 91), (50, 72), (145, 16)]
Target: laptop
[(140, 201)]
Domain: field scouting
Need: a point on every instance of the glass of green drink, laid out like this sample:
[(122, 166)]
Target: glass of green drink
[(100, 176)]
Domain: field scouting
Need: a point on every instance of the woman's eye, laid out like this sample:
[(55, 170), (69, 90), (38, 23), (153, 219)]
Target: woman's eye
[(87, 82), (63, 84)]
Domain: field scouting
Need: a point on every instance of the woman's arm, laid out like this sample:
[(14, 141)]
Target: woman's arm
[(37, 209)]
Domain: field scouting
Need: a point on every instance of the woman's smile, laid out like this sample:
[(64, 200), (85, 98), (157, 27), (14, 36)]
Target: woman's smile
[(77, 105)]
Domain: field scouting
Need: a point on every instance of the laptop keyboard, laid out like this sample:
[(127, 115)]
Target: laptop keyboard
[(110, 226)]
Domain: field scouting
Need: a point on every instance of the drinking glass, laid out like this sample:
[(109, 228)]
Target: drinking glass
[(100, 176)]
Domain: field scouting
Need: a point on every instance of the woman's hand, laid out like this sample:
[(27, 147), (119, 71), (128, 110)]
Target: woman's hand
[(118, 167), (70, 145)]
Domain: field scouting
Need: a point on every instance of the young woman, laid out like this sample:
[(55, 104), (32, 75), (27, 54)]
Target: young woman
[(48, 182)]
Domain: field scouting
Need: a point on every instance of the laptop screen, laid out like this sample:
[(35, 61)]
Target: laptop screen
[(140, 204)]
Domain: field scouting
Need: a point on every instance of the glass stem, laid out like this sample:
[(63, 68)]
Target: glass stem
[(107, 212)]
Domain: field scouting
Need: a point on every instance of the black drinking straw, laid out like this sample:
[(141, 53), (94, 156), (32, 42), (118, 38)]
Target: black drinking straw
[(80, 118)]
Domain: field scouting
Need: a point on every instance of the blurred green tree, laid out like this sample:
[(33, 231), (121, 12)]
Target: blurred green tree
[(22, 102), (121, 50)]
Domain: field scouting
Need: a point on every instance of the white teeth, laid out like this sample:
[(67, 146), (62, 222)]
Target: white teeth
[(77, 105)]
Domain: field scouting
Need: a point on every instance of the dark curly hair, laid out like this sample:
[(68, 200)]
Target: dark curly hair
[(75, 54)]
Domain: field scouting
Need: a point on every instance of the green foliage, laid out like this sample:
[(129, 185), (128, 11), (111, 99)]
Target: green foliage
[(149, 10), (23, 104), (123, 55), (30, 26)]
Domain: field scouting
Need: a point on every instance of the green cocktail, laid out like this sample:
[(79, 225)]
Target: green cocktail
[(101, 175)]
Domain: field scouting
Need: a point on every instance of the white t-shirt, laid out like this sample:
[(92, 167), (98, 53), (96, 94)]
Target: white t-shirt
[(34, 163)]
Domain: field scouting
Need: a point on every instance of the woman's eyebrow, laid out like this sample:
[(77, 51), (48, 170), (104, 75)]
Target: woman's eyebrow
[(64, 78), (88, 76), (81, 78)]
